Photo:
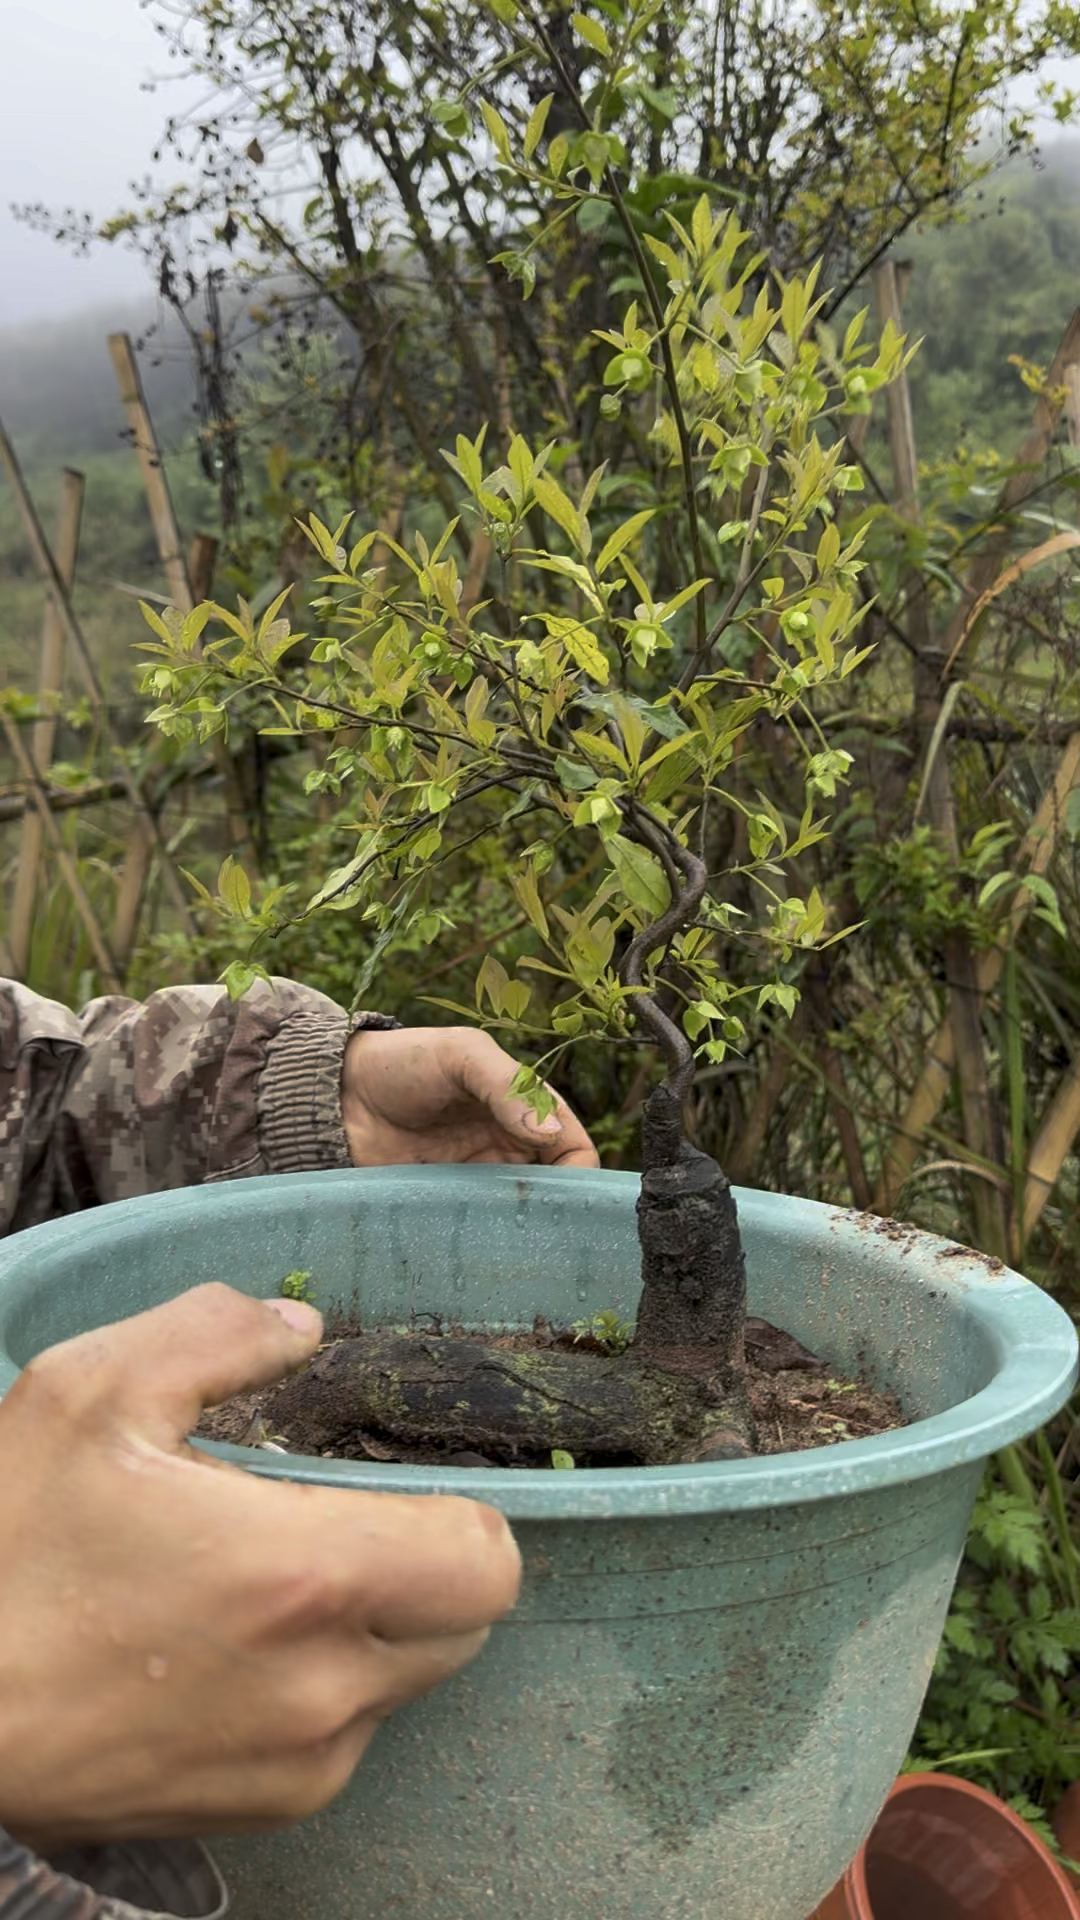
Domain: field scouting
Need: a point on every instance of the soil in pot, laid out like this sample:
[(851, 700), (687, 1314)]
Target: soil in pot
[(796, 1400)]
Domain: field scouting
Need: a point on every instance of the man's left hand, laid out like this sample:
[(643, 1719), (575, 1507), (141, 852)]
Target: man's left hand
[(436, 1095)]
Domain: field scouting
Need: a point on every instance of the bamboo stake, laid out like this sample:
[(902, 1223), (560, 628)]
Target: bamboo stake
[(106, 964), (1034, 855), (741, 1159), (928, 691), (152, 467), (476, 572), (202, 559), (1061, 1122), (839, 1098), (1019, 484), (931, 696), (72, 489), (832, 1067), (76, 640), (1072, 402), (181, 590), (1050, 1149), (394, 511), (982, 1132)]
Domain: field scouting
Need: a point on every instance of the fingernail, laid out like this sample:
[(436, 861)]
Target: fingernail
[(296, 1314), (551, 1125)]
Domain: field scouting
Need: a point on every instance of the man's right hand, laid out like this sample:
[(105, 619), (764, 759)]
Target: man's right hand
[(186, 1648)]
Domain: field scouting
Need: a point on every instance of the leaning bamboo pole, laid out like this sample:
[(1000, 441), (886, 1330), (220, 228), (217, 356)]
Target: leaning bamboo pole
[(106, 964), (1037, 847), (76, 640), (1033, 857), (179, 579), (742, 1155), (1021, 482), (50, 680), (1049, 1151), (1054, 1140), (930, 693)]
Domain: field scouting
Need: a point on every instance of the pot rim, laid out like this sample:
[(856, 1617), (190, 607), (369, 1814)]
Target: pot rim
[(1032, 1341)]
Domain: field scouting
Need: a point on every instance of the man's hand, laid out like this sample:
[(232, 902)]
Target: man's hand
[(441, 1094), (185, 1648)]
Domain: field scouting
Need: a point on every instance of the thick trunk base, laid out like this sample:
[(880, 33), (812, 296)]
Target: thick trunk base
[(515, 1404)]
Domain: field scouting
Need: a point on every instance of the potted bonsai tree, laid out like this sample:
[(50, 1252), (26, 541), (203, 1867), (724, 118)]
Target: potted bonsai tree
[(590, 733), (704, 1695)]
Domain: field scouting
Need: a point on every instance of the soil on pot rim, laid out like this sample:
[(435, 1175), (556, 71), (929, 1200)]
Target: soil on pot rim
[(797, 1401)]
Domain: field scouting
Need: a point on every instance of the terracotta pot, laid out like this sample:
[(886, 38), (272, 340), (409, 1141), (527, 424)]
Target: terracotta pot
[(1065, 1820), (945, 1850)]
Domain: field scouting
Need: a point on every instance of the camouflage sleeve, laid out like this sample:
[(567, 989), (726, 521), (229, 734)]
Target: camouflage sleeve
[(144, 1880), (189, 1086), (40, 1048), (192, 1087)]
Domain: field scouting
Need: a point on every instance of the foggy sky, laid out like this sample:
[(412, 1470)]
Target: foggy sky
[(75, 128)]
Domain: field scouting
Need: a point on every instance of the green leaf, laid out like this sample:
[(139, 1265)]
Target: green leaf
[(527, 1085), (640, 876), (516, 997), (496, 126), (677, 768), (467, 463), (234, 888), (449, 1006), (451, 115), (534, 132), (570, 570), (525, 887), (518, 266), (195, 621), (561, 1460), (591, 33), (238, 977), (994, 886), (153, 619), (622, 537), (583, 647), (601, 748), (480, 730), (576, 779), (592, 214), (492, 980), (661, 719), (341, 889), (550, 496)]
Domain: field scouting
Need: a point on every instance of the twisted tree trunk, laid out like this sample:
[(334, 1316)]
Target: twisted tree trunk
[(678, 1393)]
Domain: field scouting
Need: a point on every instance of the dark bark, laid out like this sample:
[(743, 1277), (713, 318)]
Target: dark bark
[(693, 1275), (515, 1404)]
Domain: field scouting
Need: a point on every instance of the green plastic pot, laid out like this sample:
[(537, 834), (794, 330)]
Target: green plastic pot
[(700, 1704)]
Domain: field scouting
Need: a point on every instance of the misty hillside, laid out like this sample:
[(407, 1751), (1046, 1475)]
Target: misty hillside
[(58, 394), (60, 405), (1001, 281)]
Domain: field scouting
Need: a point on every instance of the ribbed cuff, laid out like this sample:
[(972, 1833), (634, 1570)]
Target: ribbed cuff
[(30, 1890), (301, 1129), (166, 1880)]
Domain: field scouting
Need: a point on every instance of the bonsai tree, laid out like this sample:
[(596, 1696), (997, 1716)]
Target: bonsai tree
[(587, 735)]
